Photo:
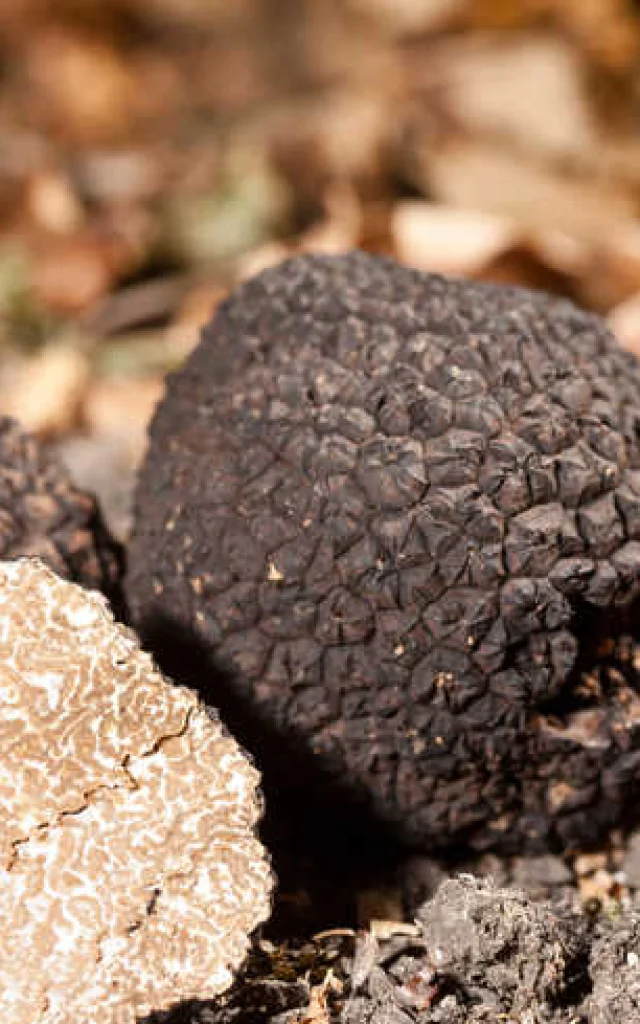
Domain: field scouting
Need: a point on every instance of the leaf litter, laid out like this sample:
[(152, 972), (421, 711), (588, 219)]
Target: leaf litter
[(156, 151)]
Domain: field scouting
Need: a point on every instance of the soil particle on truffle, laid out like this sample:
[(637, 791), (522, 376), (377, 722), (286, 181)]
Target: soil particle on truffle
[(401, 514), (44, 515)]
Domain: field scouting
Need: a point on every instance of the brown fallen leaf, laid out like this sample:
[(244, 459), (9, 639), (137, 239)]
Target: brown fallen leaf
[(83, 87), (607, 29), (406, 17), (382, 930), (53, 203), (447, 239), (476, 173), (46, 391), (505, 87), (561, 250), (522, 265), (342, 225), (261, 258), (612, 273), (71, 272), (201, 14)]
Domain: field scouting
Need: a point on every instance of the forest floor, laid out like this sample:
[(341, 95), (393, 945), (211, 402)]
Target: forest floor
[(155, 152)]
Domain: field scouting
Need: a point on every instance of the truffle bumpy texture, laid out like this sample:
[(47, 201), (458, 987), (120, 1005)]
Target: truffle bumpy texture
[(43, 514), (396, 507), (130, 876)]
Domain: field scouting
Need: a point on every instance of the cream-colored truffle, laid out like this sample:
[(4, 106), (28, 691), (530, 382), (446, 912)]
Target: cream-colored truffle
[(130, 875)]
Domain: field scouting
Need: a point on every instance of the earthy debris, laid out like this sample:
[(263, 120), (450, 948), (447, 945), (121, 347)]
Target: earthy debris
[(499, 942), (477, 954), (615, 972), (42, 513), (399, 510), (130, 874)]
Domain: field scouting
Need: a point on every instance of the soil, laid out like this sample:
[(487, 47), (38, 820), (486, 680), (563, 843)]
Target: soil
[(474, 954)]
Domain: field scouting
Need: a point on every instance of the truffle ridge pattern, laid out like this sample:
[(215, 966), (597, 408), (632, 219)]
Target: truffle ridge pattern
[(130, 877), (394, 505)]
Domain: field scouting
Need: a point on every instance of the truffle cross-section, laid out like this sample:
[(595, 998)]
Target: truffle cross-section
[(130, 874)]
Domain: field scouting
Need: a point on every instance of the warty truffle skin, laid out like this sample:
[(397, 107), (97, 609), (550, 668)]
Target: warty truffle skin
[(42, 514), (130, 874), (396, 508)]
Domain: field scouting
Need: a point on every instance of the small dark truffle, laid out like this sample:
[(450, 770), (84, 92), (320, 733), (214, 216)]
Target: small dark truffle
[(43, 514), (403, 513)]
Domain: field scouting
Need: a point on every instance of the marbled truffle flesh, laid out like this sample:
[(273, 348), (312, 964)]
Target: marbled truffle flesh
[(44, 515), (130, 875), (401, 511)]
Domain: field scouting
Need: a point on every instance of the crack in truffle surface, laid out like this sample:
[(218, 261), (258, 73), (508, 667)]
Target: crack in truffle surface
[(130, 875)]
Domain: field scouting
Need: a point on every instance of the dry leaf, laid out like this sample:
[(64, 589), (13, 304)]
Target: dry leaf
[(477, 174), (120, 176), (46, 392), (342, 225), (261, 258), (53, 203), (86, 88), (69, 273), (410, 16), (200, 14), (449, 240), (559, 249), (352, 139), (382, 930), (606, 28), (613, 273), (526, 89)]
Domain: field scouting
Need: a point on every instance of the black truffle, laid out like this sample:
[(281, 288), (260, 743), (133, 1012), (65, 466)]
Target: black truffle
[(402, 511), (43, 514)]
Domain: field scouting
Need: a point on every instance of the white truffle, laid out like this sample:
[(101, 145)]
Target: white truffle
[(130, 875)]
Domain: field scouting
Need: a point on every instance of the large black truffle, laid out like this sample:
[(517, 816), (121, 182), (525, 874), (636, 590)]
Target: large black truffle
[(43, 514), (404, 514)]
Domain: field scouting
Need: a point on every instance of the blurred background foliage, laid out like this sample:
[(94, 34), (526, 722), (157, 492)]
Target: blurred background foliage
[(153, 152)]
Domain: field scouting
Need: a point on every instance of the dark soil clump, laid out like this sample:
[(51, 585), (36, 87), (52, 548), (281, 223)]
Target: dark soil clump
[(477, 954)]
